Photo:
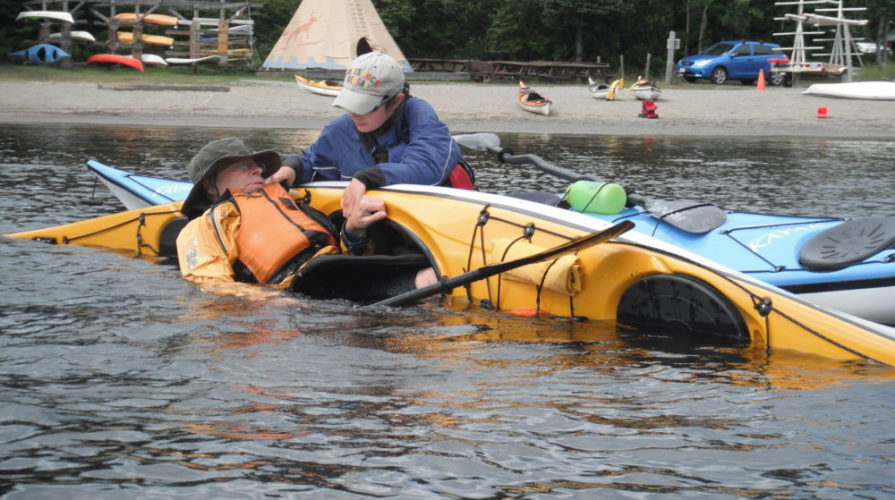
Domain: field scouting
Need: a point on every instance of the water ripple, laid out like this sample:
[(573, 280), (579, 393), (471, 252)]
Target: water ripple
[(119, 379)]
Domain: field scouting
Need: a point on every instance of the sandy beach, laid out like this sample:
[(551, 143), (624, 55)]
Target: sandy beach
[(696, 110)]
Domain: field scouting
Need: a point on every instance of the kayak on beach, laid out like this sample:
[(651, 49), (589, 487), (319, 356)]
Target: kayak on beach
[(789, 252), (531, 101), (877, 91), (525, 257), (328, 88)]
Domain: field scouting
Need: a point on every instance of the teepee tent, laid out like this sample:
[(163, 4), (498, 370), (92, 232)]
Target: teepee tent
[(329, 34)]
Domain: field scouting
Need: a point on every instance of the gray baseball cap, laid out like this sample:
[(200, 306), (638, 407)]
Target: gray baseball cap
[(371, 78), (215, 156)]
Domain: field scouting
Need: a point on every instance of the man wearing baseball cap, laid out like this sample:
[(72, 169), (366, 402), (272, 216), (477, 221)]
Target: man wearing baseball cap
[(243, 229), (385, 137)]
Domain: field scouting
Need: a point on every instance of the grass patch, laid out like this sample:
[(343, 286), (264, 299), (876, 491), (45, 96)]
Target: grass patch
[(873, 72), (173, 75)]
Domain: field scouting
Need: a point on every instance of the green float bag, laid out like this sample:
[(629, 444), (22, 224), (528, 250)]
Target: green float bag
[(596, 197)]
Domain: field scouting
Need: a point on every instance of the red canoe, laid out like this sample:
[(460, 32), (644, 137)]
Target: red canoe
[(115, 59)]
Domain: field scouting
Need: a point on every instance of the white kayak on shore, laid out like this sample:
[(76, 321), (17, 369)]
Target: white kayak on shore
[(881, 90)]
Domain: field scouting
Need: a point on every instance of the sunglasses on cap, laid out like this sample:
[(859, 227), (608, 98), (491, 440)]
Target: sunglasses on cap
[(385, 100)]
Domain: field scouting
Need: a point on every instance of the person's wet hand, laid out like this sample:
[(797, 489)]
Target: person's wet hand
[(352, 196), (370, 209), (285, 173)]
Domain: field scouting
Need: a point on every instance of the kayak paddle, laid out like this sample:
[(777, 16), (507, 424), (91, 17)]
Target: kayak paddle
[(448, 284), (690, 216)]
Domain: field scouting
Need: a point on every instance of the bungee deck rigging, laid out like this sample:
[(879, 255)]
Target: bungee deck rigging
[(527, 233), (140, 242)]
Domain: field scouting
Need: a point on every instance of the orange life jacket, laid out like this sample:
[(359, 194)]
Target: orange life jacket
[(276, 235)]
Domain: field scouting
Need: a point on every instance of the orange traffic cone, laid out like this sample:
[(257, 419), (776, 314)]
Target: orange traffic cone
[(761, 83)]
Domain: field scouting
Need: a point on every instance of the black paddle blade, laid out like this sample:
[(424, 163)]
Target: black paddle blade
[(690, 216), (848, 243), (448, 284)]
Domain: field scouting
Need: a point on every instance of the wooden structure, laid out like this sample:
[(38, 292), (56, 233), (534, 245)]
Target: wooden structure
[(843, 49), (45, 28), (549, 71), (203, 28)]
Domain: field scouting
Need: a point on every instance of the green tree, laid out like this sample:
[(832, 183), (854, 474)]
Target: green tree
[(569, 19), (444, 29), (880, 14)]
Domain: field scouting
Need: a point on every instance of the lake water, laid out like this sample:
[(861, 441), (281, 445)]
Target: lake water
[(121, 380)]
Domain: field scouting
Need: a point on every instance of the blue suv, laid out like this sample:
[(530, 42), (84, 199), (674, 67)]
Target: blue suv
[(727, 60)]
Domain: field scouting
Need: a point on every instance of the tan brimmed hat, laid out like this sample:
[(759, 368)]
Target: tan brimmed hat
[(213, 157)]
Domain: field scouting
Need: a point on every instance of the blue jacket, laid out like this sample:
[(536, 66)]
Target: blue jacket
[(420, 150)]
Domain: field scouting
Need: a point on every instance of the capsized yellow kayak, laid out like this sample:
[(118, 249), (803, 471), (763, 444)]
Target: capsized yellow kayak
[(633, 279), (139, 233)]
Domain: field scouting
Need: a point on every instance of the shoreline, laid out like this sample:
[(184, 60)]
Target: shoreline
[(696, 110)]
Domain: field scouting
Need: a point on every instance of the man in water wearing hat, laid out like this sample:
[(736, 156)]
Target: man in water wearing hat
[(386, 137), (244, 229)]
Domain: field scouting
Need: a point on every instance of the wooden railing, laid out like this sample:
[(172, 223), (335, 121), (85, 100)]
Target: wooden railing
[(514, 70)]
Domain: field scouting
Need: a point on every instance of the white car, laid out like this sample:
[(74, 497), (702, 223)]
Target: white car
[(868, 47)]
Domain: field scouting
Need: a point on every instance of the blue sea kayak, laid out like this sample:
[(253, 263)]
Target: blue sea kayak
[(771, 248), (42, 53)]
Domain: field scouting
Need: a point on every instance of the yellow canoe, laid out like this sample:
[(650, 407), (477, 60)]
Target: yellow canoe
[(160, 40), (633, 279), (156, 19)]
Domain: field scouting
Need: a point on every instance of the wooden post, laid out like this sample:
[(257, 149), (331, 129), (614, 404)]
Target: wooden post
[(222, 39), (646, 69), (113, 33), (65, 45), (194, 38), (43, 31), (137, 47), (672, 43)]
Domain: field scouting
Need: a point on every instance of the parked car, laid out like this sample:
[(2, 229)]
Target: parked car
[(732, 60), (869, 48)]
